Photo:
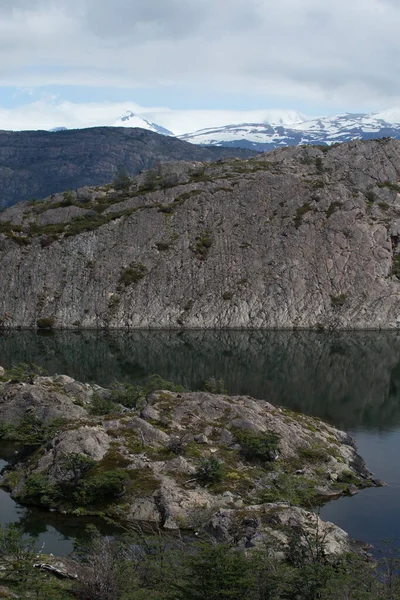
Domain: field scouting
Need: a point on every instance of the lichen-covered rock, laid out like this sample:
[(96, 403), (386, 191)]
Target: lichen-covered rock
[(191, 459)]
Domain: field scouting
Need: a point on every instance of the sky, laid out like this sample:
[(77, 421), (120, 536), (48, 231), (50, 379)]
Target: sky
[(189, 64)]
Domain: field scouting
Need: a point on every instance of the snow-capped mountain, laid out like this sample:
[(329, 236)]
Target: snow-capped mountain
[(129, 119), (323, 130)]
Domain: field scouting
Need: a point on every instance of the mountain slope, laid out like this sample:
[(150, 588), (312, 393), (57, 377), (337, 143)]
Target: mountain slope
[(299, 237), (35, 164), (324, 130)]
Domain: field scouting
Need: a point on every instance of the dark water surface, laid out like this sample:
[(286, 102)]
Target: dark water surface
[(350, 379)]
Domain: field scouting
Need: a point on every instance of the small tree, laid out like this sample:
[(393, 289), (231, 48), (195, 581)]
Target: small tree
[(75, 465), (121, 180)]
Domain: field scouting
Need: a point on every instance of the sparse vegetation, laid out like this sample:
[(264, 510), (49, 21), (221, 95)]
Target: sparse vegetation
[(131, 275), (257, 446), (300, 212), (45, 323), (339, 300)]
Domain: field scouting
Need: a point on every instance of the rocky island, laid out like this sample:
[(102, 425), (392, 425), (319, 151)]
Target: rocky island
[(237, 468), (304, 237)]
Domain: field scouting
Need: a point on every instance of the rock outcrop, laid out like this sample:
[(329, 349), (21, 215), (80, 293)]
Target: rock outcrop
[(236, 467), (297, 238)]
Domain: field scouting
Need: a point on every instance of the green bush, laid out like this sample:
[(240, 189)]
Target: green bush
[(131, 275), (338, 301), (214, 386), (209, 471), (300, 212), (121, 180), (45, 323), (257, 446), (101, 488), (24, 372), (102, 405)]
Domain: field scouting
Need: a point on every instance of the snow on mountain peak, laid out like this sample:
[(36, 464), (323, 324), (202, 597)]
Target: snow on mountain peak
[(130, 119)]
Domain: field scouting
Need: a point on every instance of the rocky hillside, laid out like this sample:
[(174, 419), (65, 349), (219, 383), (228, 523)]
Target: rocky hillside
[(236, 467), (299, 237), (34, 164)]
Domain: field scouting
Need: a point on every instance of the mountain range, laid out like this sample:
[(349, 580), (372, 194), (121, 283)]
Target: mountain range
[(35, 164), (286, 128)]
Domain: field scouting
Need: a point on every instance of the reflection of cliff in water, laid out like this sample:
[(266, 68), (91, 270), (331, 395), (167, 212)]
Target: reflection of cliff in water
[(350, 378)]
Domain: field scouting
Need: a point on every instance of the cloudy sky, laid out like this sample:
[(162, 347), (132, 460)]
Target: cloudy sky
[(193, 63)]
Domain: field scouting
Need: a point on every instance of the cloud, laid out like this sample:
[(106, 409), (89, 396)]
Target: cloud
[(50, 112), (343, 52)]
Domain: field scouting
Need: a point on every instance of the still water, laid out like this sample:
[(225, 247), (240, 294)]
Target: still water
[(350, 379)]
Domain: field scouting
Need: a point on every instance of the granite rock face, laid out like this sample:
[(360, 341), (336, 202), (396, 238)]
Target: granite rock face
[(296, 238)]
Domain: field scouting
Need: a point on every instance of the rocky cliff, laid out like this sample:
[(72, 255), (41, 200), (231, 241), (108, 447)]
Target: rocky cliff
[(299, 237), (34, 164)]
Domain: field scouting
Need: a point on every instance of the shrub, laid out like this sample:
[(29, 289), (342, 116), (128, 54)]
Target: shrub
[(338, 301), (24, 372), (45, 323), (214, 386), (38, 486), (300, 212), (203, 244), (121, 179), (102, 487), (314, 455), (131, 275), (261, 446), (101, 405), (209, 471), (396, 266), (331, 209)]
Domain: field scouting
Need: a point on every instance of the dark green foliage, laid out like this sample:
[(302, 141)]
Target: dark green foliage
[(202, 245), (24, 372), (45, 323), (383, 205), (121, 179), (370, 196), (209, 471), (319, 164), (150, 181), (76, 465), (388, 184), (131, 275), (259, 446), (296, 490), (227, 296), (217, 573), (331, 209), (300, 212), (396, 266), (167, 209), (314, 455), (214, 386), (31, 431), (39, 489), (101, 487), (102, 405), (162, 246), (339, 300), (69, 198)]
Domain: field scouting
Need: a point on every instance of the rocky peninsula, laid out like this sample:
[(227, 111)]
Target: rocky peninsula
[(240, 469), (301, 237)]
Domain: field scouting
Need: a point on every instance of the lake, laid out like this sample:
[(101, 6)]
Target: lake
[(350, 379)]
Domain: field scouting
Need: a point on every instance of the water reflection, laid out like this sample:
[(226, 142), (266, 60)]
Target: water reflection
[(350, 379)]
